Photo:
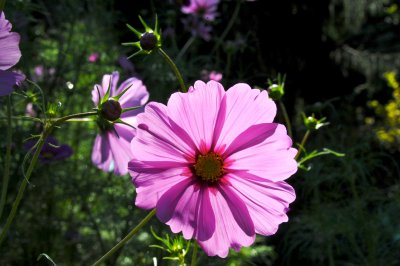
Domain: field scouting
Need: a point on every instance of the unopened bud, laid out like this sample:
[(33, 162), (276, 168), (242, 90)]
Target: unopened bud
[(148, 41), (111, 110)]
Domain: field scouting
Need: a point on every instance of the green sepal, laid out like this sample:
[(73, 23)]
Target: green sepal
[(138, 34), (137, 53), (122, 93), (131, 108), (137, 44), (107, 95), (147, 28), (124, 123)]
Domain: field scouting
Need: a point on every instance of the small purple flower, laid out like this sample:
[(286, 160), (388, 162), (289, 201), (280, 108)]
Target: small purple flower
[(111, 149), (9, 56), (51, 150), (207, 9), (93, 57)]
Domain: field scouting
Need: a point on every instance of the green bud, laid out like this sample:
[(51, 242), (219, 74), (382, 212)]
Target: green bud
[(111, 110), (313, 123), (148, 41), (277, 90)]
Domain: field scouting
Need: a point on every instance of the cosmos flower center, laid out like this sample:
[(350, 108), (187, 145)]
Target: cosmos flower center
[(209, 167)]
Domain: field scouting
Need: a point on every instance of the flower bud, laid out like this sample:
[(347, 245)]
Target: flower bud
[(111, 110), (313, 123), (148, 41), (276, 91)]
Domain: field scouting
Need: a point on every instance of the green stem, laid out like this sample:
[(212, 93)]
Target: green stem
[(32, 165), (126, 238), (286, 117), (68, 117), (303, 142), (174, 68), (194, 254), (23, 185), (228, 28), (6, 176)]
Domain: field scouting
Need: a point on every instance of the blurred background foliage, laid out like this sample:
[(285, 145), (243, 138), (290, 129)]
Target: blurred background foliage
[(341, 59)]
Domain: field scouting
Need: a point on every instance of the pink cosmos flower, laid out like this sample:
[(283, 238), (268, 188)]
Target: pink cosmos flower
[(207, 9), (213, 164), (214, 75), (111, 150), (93, 57), (9, 56)]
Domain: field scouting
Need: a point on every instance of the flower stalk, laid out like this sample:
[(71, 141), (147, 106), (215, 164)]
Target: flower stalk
[(286, 117), (126, 238), (25, 181), (302, 143), (6, 175), (174, 68), (194, 254)]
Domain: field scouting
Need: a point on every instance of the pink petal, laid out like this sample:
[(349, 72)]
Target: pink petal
[(152, 182), (196, 112), (244, 107), (157, 141), (5, 25), (101, 153), (273, 159), (110, 80), (267, 202), (120, 148), (228, 233), (9, 50), (238, 209), (136, 95), (191, 214), (169, 200), (252, 136)]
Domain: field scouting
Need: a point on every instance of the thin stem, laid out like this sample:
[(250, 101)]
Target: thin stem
[(228, 28), (174, 68), (303, 142), (184, 48), (73, 116), (6, 176), (286, 117), (126, 238), (23, 185), (194, 254), (32, 165)]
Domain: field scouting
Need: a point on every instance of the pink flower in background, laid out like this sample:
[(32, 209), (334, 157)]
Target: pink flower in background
[(111, 150), (213, 164), (197, 28), (216, 76), (9, 56), (38, 71), (207, 9), (30, 110), (93, 57)]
